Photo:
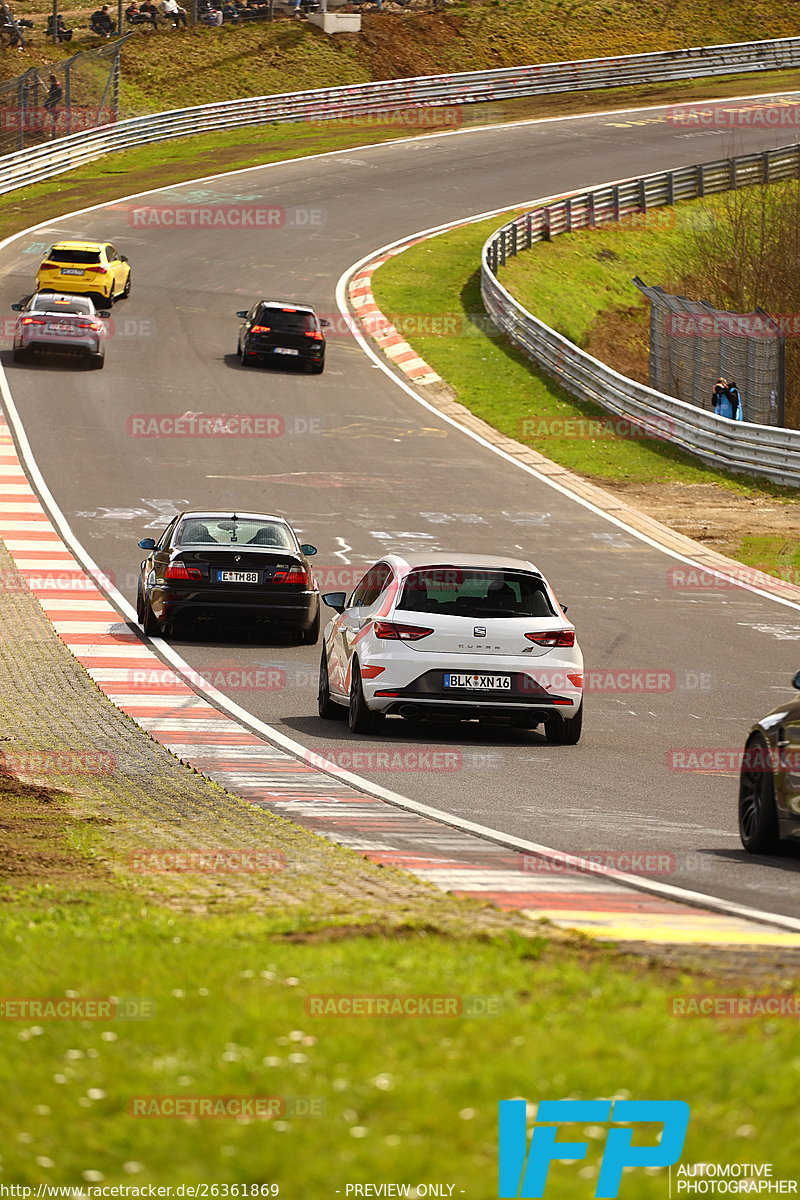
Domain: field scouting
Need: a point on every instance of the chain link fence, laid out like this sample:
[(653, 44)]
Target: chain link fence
[(31, 113), (692, 344)]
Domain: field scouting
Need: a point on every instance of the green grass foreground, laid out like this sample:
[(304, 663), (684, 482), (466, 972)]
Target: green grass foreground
[(224, 1001), (221, 1007)]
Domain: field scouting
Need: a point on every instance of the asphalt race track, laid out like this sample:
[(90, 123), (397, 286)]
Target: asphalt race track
[(363, 468)]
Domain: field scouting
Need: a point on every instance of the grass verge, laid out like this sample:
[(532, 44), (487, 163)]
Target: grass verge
[(222, 1006)]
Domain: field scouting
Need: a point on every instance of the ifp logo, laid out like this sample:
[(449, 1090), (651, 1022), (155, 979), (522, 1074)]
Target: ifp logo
[(523, 1171)]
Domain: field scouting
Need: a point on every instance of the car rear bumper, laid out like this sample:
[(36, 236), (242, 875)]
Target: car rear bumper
[(295, 610), (466, 711), (428, 694), (75, 286), (60, 345), (312, 352)]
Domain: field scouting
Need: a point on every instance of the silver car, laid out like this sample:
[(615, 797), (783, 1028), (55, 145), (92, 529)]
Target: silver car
[(57, 323)]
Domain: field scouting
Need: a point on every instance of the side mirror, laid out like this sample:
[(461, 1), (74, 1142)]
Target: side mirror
[(16, 307), (563, 607), (147, 544), (796, 681), (335, 600), (102, 313), (308, 549), (243, 315), (325, 324), (123, 258)]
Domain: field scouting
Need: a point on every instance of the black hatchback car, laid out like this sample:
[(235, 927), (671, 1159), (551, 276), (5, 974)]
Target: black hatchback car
[(274, 331), (769, 783), (233, 568)]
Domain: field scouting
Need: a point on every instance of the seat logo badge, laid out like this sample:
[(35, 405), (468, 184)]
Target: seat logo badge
[(479, 631)]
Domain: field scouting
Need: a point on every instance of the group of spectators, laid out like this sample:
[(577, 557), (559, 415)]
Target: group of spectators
[(12, 28), (148, 13)]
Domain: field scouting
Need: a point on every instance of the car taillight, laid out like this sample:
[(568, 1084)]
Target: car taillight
[(181, 571), (260, 329), (391, 631), (33, 321), (294, 575), (315, 334), (98, 270), (553, 637), (96, 325), (48, 266)]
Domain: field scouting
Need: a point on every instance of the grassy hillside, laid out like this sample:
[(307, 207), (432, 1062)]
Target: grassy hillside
[(172, 68)]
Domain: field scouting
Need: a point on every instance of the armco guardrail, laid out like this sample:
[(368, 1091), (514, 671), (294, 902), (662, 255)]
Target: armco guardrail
[(733, 445), (62, 154)]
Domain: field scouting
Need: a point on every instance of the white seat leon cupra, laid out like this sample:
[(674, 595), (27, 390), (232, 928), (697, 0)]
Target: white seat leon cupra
[(464, 637)]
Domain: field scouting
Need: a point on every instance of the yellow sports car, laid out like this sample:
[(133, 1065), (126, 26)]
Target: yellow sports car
[(93, 269)]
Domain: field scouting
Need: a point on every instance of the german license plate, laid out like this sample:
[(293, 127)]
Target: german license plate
[(478, 683), (285, 350), (237, 576), (71, 271)]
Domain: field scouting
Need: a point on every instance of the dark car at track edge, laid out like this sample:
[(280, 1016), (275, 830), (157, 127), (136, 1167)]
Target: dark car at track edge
[(769, 780), (230, 569)]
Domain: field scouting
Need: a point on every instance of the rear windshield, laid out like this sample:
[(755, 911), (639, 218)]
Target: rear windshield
[(287, 321), (222, 531), (47, 303), (466, 592), (74, 256)]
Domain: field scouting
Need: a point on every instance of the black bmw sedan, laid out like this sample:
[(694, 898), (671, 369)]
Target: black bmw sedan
[(277, 332), (234, 568), (769, 783)]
